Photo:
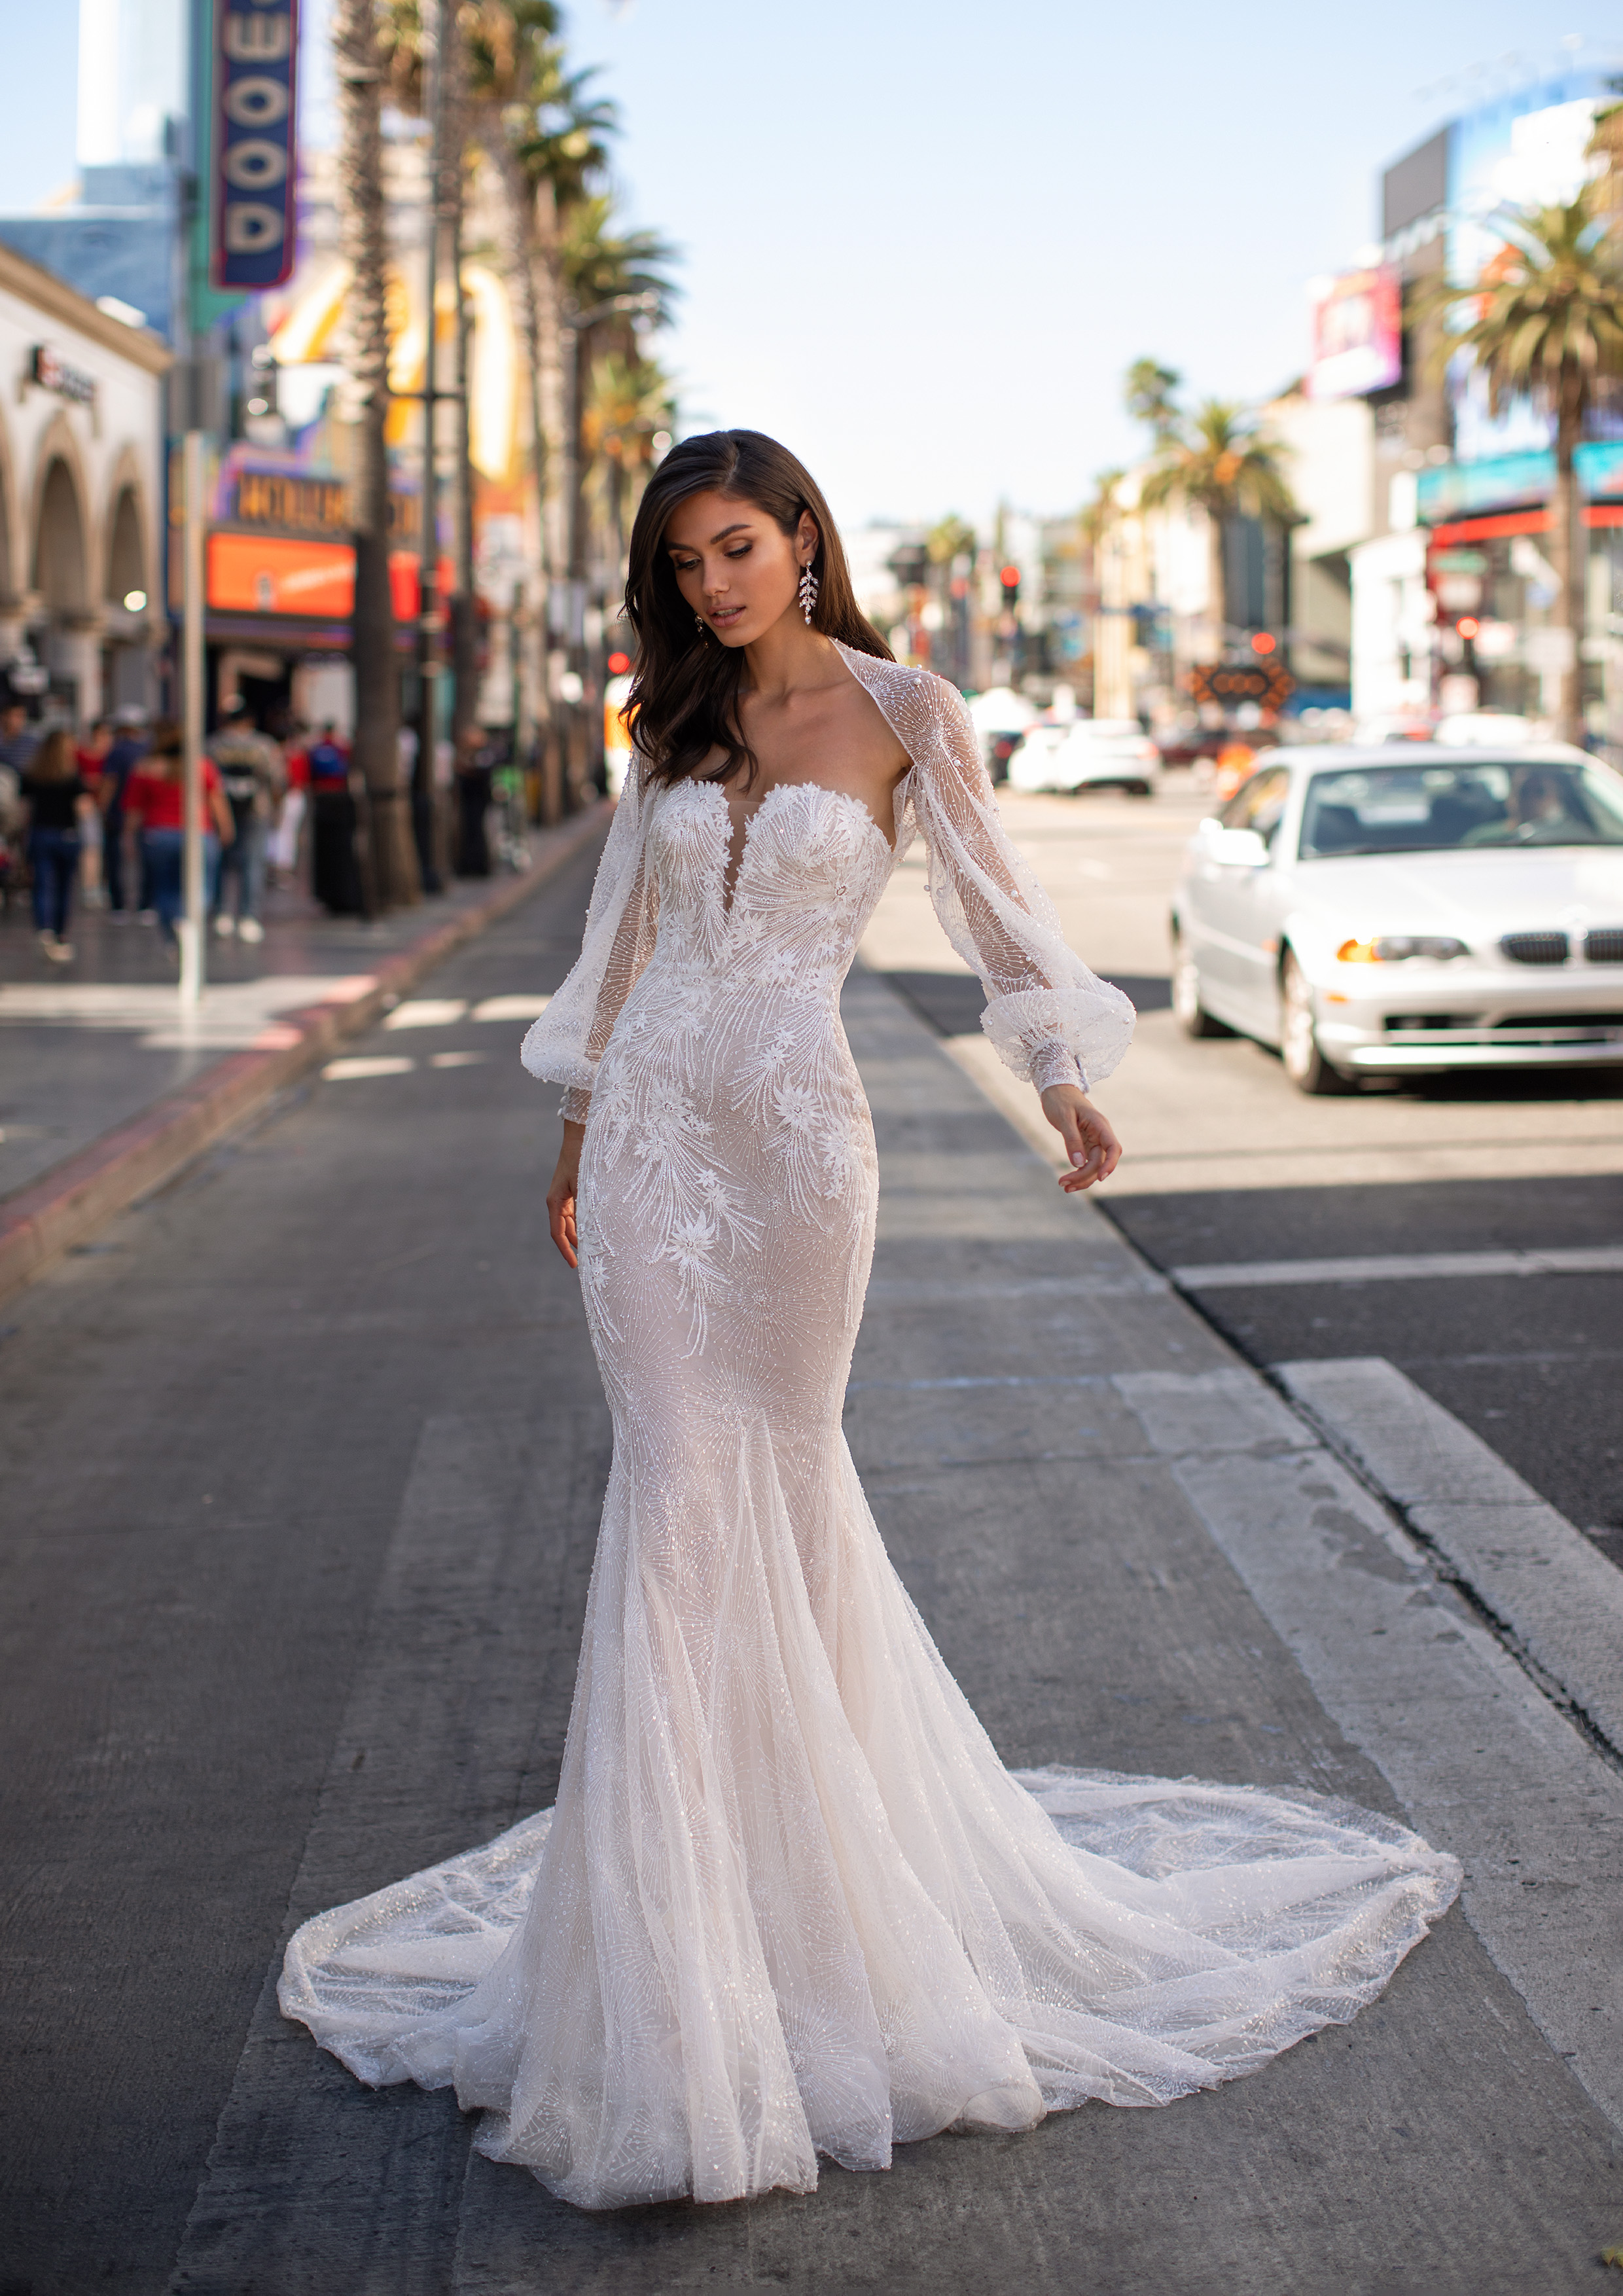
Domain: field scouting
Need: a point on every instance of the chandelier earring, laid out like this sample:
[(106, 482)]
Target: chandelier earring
[(702, 627), (808, 591)]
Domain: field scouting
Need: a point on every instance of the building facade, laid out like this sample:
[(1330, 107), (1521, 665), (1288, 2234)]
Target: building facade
[(81, 496)]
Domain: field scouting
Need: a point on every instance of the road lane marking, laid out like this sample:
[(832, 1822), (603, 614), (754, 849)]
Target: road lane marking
[(1400, 1267), (427, 1013), (1482, 1760), (509, 1008), (350, 1071), (1529, 1568)]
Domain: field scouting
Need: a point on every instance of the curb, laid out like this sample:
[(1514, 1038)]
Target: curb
[(45, 1219)]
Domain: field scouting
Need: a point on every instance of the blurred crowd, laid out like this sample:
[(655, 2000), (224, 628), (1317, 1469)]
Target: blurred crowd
[(98, 820)]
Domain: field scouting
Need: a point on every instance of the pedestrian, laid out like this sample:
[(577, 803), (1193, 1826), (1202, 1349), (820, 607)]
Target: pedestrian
[(54, 791), (91, 756), (130, 745), (475, 767), (282, 847), (789, 1900), (156, 803), (335, 876), (18, 744), (253, 777)]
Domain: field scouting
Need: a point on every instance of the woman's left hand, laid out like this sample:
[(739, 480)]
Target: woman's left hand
[(1092, 1147)]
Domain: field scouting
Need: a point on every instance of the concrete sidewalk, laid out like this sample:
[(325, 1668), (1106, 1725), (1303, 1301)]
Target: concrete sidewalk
[(111, 1087), (319, 1627)]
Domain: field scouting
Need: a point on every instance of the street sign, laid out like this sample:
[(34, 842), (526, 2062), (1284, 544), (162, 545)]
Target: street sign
[(254, 152), (1230, 683)]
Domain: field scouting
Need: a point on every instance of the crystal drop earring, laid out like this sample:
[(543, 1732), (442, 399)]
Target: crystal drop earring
[(698, 624), (809, 593)]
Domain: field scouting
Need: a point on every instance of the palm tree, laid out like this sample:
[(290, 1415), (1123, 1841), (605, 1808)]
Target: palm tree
[(1149, 390), (1547, 323), (390, 866), (1218, 460), (1100, 511), (629, 402)]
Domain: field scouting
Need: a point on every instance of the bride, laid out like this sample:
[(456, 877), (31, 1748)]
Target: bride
[(789, 1901)]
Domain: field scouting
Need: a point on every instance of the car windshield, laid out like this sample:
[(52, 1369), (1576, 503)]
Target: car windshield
[(1478, 802)]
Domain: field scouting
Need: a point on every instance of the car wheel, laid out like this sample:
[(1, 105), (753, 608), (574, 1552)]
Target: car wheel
[(1299, 1038), (1187, 1010), (1139, 789)]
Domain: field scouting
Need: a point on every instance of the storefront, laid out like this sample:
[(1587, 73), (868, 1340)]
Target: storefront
[(81, 430), (1502, 633)]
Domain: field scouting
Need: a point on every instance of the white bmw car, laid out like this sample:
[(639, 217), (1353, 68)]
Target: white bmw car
[(1388, 911)]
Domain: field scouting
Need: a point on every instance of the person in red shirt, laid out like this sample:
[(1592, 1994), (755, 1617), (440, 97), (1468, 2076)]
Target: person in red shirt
[(155, 798)]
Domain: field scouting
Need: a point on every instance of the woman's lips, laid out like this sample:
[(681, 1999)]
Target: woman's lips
[(723, 614)]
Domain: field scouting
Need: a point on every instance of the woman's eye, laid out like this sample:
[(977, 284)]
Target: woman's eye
[(744, 553)]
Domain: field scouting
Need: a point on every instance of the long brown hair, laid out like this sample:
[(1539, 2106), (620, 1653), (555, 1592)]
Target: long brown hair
[(166, 751), (54, 760), (684, 691)]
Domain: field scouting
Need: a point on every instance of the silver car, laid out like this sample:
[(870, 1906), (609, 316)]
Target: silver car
[(1389, 911)]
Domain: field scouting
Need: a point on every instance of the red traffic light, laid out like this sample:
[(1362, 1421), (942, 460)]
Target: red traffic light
[(618, 664), (1009, 576), (1468, 625), (1263, 643)]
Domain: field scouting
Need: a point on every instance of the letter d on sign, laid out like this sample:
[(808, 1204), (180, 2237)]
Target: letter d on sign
[(253, 160)]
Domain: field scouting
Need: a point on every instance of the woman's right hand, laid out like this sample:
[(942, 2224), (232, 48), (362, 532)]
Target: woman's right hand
[(560, 1195)]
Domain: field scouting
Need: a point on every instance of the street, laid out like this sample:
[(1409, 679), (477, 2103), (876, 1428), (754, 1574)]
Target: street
[(306, 1457), (1226, 1164)]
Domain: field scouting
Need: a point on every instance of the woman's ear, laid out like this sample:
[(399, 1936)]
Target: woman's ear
[(808, 539)]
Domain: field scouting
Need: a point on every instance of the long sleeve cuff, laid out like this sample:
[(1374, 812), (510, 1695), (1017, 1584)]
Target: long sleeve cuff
[(574, 1104), (1056, 1064)]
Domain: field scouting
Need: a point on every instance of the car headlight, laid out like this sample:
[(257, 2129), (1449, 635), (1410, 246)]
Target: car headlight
[(1392, 948)]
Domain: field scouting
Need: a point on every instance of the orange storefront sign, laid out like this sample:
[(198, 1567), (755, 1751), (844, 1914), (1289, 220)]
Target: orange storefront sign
[(282, 574)]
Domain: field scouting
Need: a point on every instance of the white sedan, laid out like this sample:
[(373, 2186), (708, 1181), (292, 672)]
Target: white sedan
[(1374, 913), (1087, 753)]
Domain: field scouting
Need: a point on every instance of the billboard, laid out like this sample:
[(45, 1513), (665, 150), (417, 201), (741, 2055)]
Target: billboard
[(1357, 333), (282, 574), (253, 155)]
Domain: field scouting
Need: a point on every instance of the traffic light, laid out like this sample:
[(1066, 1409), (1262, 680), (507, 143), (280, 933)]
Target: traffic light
[(1009, 576)]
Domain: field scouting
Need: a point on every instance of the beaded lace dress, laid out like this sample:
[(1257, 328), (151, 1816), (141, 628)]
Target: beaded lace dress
[(789, 1900)]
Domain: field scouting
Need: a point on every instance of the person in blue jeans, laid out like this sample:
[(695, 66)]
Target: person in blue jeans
[(156, 799), (116, 767), (55, 790)]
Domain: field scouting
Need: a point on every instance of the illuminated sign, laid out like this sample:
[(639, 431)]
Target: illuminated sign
[(279, 499), (1358, 333), (254, 158), (1229, 684), (278, 574)]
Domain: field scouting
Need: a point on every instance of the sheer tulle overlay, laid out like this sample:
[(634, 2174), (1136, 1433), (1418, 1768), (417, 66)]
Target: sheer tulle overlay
[(789, 1900)]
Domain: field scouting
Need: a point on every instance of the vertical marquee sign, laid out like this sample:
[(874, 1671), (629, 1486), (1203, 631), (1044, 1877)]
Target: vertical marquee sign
[(254, 154)]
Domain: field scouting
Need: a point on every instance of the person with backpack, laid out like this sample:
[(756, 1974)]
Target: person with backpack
[(253, 778)]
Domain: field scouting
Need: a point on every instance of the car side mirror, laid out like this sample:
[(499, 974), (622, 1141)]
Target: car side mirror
[(1237, 849)]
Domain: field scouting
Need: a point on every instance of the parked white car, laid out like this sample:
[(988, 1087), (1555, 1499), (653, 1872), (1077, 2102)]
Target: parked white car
[(1088, 753), (1381, 912)]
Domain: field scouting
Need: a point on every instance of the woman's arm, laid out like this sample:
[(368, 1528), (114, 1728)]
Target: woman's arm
[(560, 1195)]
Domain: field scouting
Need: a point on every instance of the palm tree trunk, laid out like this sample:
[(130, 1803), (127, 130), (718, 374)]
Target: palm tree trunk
[(389, 864), (522, 264), (554, 511), (1217, 582), (1568, 558)]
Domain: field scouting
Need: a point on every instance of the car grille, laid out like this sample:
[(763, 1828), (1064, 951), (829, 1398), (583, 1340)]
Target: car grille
[(1605, 948), (1536, 948), (1507, 1028)]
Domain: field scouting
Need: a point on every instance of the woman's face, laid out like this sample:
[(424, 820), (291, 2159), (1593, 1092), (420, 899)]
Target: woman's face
[(734, 565)]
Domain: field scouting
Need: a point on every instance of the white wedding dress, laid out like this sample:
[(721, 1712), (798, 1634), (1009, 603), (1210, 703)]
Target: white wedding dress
[(789, 1900)]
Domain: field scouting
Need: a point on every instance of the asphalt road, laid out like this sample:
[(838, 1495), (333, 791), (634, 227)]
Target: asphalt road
[(1226, 1163), (305, 1459)]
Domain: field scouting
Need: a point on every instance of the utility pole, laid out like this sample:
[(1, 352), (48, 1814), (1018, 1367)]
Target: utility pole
[(424, 823), (195, 923)]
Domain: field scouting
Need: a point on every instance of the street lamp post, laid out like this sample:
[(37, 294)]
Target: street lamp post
[(427, 659)]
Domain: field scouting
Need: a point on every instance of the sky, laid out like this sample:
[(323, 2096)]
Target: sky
[(921, 243)]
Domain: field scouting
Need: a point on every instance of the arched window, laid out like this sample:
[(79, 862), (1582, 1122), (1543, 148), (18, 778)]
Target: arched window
[(126, 557), (60, 574)]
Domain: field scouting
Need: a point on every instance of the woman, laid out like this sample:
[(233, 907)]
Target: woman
[(789, 1901), (155, 799), (56, 795)]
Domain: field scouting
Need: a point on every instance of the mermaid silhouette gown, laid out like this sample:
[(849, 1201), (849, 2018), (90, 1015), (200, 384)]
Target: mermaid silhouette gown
[(789, 1901)]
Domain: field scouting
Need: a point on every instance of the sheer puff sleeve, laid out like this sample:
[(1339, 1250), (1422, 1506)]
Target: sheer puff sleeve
[(566, 1042), (1052, 1021)]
